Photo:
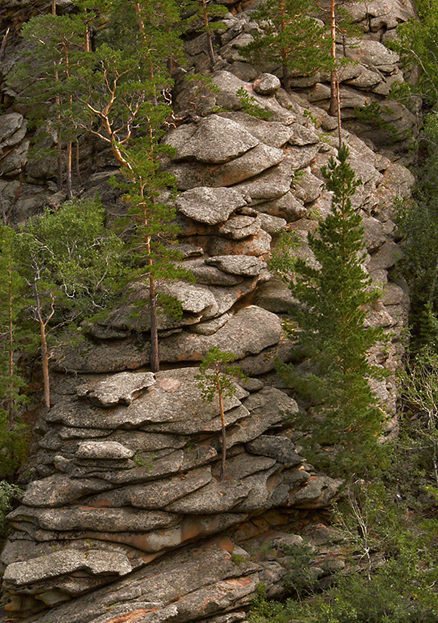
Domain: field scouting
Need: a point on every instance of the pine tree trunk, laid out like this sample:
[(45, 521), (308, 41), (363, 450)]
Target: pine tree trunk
[(45, 362), (69, 167), (333, 76), (154, 356), (208, 32), (224, 434), (44, 348)]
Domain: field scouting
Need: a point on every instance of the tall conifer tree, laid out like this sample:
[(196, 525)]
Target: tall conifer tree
[(332, 337)]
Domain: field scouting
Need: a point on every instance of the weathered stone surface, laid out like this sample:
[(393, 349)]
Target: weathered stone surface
[(209, 274), (266, 409), (12, 129), (280, 448), (302, 136), (154, 495), (270, 184), (121, 388), (103, 450), (316, 493), (267, 84), (216, 140), (273, 133), (240, 227), (249, 165), (247, 266), (247, 332), (98, 519), (60, 563), (275, 296), (258, 245), (373, 54), (59, 489), (287, 207), (209, 327), (210, 205)]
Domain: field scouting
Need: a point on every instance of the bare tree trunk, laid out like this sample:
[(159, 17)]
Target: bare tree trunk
[(154, 358), (224, 434), (333, 75), (69, 166), (45, 362), (77, 163), (3, 45), (208, 32)]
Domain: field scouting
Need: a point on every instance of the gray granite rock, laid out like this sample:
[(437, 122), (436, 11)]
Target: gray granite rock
[(247, 266), (280, 448), (247, 332), (61, 563), (210, 205), (216, 140), (267, 84), (121, 388)]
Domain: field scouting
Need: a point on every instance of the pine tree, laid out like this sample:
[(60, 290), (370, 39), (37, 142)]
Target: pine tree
[(45, 81), (205, 12), (332, 337), (290, 37), (216, 379), (151, 251), (70, 264), (13, 433)]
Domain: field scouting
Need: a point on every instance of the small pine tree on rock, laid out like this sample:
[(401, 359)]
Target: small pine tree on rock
[(216, 379)]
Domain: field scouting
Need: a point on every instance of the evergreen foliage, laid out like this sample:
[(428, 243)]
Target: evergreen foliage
[(216, 379), (418, 223), (152, 255), (70, 264), (289, 37), (206, 13), (332, 336), (417, 45), (13, 338)]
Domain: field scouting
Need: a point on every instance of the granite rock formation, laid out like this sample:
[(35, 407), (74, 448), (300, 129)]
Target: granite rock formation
[(124, 517)]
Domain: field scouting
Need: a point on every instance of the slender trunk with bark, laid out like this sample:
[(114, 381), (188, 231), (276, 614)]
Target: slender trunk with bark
[(224, 434), (208, 32), (68, 179), (333, 75), (154, 359), (44, 346)]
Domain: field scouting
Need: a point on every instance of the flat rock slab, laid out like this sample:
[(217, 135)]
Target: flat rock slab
[(216, 140), (196, 582), (272, 133), (247, 266), (112, 450), (61, 563), (282, 449), (252, 163), (99, 519), (155, 495), (210, 205), (59, 489), (9, 125), (175, 397), (121, 388), (247, 333)]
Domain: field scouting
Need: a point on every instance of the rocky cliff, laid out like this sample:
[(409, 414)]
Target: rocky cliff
[(125, 517)]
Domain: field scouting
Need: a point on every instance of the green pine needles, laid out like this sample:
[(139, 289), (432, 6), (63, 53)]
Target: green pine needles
[(333, 342)]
